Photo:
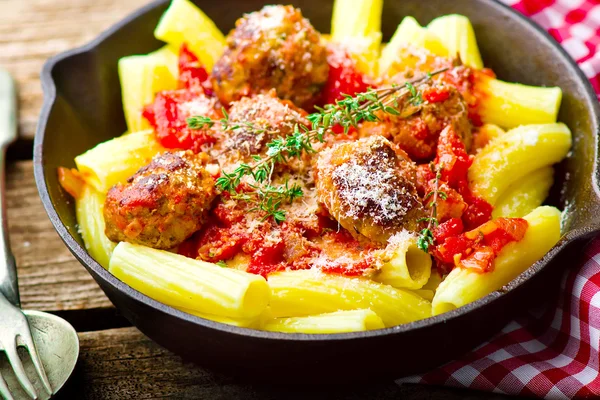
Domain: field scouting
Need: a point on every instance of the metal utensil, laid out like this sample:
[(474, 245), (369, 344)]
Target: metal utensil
[(49, 331)]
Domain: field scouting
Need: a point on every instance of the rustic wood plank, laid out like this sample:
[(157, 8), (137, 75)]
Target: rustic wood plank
[(50, 278), (123, 363), (33, 30)]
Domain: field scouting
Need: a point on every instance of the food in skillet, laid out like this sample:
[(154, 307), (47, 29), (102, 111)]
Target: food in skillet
[(285, 180)]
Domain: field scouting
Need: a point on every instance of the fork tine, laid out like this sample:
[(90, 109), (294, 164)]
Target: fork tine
[(4, 392), (17, 366), (27, 341)]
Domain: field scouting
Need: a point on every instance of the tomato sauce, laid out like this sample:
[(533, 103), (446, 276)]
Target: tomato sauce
[(191, 73), (273, 247), (475, 249), (436, 94), (344, 78), (466, 80), (167, 114), (465, 236)]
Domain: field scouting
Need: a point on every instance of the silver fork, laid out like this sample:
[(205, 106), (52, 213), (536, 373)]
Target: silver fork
[(14, 328), (14, 332)]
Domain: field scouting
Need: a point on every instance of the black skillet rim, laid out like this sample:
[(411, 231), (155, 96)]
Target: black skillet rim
[(82, 255)]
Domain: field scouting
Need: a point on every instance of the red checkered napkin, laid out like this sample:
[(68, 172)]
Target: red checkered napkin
[(553, 354)]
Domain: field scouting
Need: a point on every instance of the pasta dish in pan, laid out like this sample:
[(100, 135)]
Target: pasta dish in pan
[(287, 180)]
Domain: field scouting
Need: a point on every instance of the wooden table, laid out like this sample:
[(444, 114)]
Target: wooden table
[(116, 361)]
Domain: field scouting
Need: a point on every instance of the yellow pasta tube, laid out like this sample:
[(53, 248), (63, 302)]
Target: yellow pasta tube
[(404, 264), (427, 294), (169, 56), (457, 35), (117, 159), (485, 134), (492, 131), (524, 195), (183, 282), (511, 104), (141, 78), (434, 281), (183, 22), (355, 18), (89, 206), (464, 286), (515, 154), (364, 50), (335, 322), (409, 33), (254, 323), (309, 292), (428, 290)]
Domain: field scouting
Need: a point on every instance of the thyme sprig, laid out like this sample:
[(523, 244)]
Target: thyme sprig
[(347, 112), (269, 198), (426, 238)]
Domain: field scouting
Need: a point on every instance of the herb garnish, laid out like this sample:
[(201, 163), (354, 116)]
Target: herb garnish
[(347, 112), (426, 238), (416, 98)]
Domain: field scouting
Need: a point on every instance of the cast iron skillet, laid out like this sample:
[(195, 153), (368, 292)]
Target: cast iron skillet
[(82, 107)]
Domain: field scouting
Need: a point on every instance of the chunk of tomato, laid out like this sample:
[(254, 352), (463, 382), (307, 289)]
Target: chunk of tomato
[(344, 78)]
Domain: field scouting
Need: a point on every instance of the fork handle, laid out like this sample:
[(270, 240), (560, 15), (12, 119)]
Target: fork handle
[(8, 269), (8, 134)]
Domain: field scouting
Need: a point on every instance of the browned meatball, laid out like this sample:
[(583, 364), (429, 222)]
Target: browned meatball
[(269, 116), (368, 186), (418, 134), (272, 48), (163, 204)]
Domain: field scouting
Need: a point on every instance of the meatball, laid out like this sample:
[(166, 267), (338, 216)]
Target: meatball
[(418, 133), (163, 204), (272, 48), (369, 187), (270, 117)]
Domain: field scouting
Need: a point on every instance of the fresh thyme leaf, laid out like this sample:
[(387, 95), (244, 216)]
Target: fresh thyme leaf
[(391, 110), (411, 88), (426, 237), (415, 98), (199, 122), (278, 216)]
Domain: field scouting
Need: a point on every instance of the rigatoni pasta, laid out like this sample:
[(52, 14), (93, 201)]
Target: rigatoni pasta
[(257, 322), (116, 160), (511, 104), (191, 284), (141, 78), (335, 322), (404, 265), (457, 35), (525, 194), (89, 210), (410, 33), (356, 19), (401, 196), (515, 154), (183, 22), (300, 293)]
